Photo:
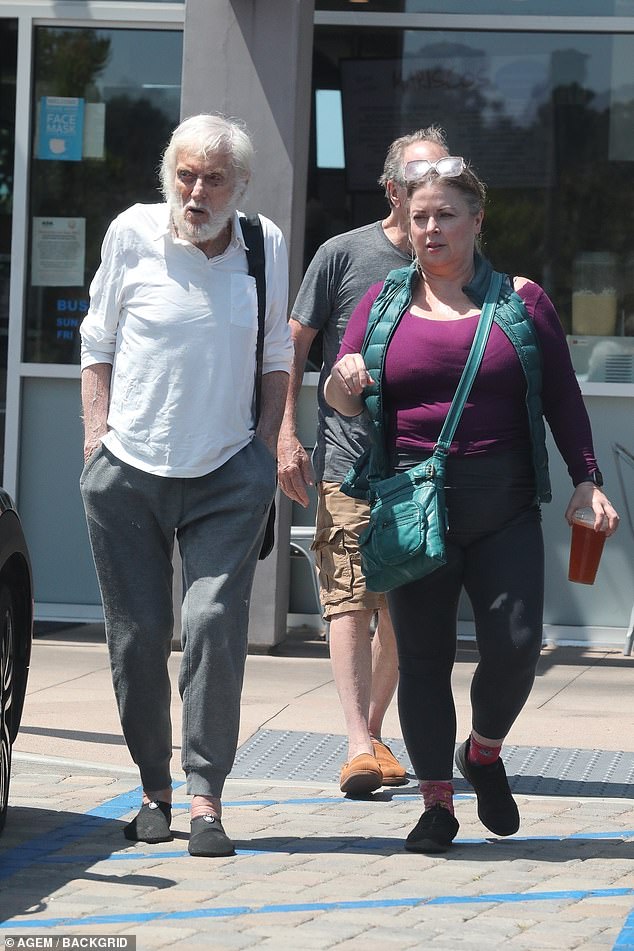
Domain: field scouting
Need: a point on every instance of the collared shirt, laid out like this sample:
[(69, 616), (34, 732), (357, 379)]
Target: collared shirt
[(180, 330)]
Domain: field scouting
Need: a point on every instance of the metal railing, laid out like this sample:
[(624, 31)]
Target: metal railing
[(624, 456)]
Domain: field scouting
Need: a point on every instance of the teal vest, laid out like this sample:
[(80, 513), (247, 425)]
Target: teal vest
[(510, 315)]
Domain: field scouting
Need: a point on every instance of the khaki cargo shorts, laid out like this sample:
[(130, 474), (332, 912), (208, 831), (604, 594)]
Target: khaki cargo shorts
[(340, 520)]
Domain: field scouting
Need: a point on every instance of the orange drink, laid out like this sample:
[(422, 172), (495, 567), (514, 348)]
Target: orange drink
[(586, 546)]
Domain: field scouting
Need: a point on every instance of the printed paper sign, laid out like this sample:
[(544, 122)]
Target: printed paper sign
[(58, 252)]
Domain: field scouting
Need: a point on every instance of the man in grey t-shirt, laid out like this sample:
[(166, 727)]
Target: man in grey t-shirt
[(365, 668)]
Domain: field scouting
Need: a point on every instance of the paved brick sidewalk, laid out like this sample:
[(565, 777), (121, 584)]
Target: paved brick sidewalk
[(313, 870)]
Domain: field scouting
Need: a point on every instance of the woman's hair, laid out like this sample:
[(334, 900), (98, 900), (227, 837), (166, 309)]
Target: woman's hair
[(468, 183), (393, 166), (202, 135)]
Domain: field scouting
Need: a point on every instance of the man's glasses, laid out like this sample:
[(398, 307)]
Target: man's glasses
[(450, 166)]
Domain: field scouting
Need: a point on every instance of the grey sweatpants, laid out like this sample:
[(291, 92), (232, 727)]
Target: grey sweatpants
[(219, 521)]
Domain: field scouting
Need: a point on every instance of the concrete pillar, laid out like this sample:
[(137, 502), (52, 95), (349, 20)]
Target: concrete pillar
[(252, 60)]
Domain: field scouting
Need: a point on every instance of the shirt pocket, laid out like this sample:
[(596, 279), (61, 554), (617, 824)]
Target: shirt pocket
[(243, 335), (244, 302)]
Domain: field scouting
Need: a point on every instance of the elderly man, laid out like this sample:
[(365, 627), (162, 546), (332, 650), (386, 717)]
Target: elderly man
[(365, 669), (171, 450)]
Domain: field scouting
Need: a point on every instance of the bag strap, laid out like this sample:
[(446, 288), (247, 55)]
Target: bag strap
[(472, 365), (254, 239)]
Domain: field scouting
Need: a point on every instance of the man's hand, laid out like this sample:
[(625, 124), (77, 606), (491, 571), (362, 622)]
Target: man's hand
[(294, 468), (89, 448)]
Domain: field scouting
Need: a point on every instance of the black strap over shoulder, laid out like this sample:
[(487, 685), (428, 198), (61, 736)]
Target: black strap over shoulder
[(254, 239)]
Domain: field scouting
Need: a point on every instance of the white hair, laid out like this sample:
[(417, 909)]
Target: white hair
[(201, 136)]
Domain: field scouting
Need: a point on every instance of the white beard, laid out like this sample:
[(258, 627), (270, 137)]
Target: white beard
[(207, 231)]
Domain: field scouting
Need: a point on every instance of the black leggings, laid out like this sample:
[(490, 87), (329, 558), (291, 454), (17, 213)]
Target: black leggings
[(495, 552)]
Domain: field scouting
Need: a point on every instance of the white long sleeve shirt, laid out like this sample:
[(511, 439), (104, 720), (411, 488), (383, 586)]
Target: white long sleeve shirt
[(180, 330)]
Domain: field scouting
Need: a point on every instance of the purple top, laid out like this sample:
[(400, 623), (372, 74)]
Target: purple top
[(423, 365)]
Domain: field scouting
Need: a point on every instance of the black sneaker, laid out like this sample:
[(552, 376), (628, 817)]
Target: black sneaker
[(497, 809), (434, 832)]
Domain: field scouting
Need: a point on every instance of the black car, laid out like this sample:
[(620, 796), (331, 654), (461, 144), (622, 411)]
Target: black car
[(16, 628)]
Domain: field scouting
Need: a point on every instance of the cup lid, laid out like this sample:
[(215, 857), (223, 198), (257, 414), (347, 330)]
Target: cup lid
[(584, 516)]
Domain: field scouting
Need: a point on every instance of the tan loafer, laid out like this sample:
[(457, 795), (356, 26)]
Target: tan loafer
[(361, 775), (393, 773)]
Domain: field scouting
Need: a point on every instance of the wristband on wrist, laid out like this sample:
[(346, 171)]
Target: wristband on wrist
[(596, 477)]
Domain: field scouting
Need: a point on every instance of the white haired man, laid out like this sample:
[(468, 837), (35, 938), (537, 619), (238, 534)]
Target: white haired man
[(172, 451), (365, 669)]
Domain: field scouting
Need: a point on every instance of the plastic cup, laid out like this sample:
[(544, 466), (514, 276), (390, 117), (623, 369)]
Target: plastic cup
[(586, 546)]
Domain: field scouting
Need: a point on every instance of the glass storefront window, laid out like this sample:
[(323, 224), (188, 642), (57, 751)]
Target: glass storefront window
[(548, 122), (8, 65), (596, 8), (104, 105)]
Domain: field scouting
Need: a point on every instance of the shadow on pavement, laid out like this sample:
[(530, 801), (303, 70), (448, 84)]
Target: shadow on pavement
[(525, 786), (547, 849), (84, 736), (582, 657), (43, 850), (308, 644), (301, 645), (74, 632)]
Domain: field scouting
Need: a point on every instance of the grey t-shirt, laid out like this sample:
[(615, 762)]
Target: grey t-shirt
[(342, 270)]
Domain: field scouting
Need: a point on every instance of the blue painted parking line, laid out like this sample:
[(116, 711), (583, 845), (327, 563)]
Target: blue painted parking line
[(304, 846), (38, 849), (46, 849), (316, 800), (233, 911), (121, 805), (138, 855), (43, 848), (625, 941), (32, 852), (35, 850)]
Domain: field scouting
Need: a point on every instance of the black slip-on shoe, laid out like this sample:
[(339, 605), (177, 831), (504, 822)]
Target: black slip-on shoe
[(151, 823), (434, 832), (209, 839), (497, 809)]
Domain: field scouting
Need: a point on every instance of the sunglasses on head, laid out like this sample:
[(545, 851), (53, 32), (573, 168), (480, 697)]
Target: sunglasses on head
[(450, 166)]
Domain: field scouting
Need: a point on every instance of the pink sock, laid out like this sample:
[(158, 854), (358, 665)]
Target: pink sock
[(482, 755), (163, 795), (205, 806), (437, 793)]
